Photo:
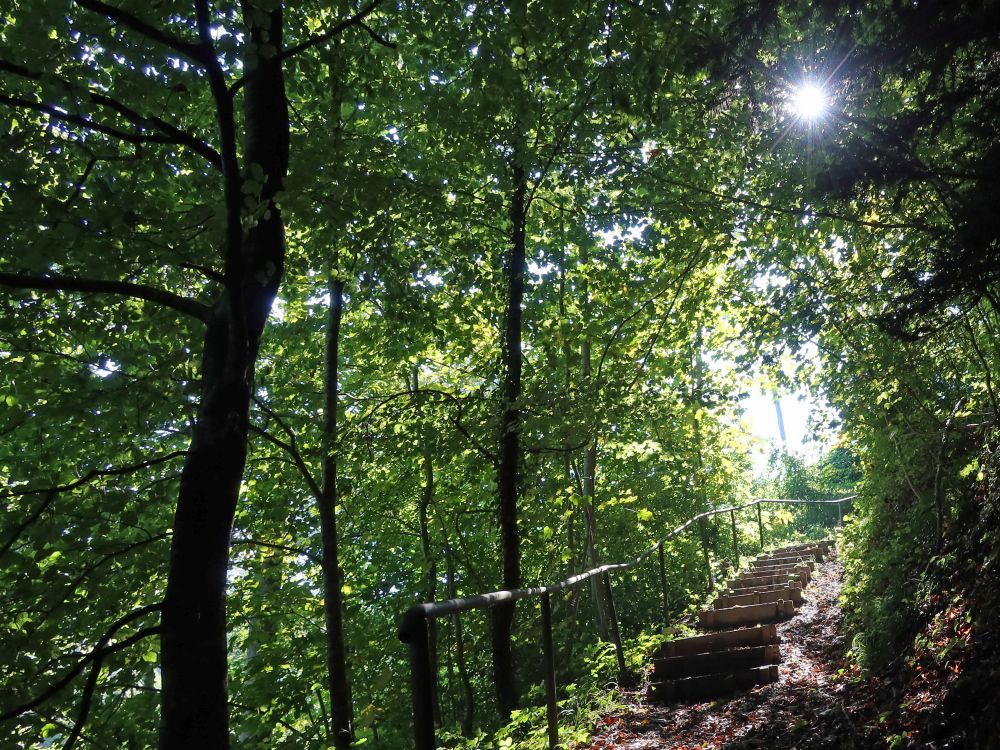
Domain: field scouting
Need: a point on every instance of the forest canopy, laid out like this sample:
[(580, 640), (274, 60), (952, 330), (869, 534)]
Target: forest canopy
[(313, 311)]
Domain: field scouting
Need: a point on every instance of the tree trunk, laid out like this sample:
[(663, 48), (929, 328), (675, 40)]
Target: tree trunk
[(698, 399), (193, 655), (590, 556), (430, 590), (508, 474), (341, 710), (469, 701), (567, 353)]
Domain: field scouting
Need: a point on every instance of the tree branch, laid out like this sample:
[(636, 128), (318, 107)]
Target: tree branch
[(53, 491), (282, 547), (378, 38), (84, 122), (209, 273), (95, 670), (191, 50), (326, 36), (91, 568), (455, 420), (169, 133), (58, 283), (297, 459), (99, 651)]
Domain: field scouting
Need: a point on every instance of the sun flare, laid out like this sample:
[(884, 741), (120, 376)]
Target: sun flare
[(809, 101)]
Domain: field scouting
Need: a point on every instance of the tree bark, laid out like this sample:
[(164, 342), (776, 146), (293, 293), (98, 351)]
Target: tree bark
[(590, 556), (193, 657), (341, 709), (430, 590), (469, 697), (508, 474)]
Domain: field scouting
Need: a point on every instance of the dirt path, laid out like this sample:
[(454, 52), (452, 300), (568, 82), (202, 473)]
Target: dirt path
[(802, 711)]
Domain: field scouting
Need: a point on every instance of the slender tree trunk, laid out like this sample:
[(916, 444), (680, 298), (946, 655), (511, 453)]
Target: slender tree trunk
[(508, 475), (567, 352), (469, 697), (341, 709), (430, 589), (193, 654), (590, 556), (698, 399)]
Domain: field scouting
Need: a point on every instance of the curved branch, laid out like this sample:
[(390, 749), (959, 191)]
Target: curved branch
[(53, 491), (280, 547), (191, 50), (95, 671), (323, 38), (169, 133), (455, 420), (681, 279), (376, 37), (91, 568), (101, 650), (58, 283), (296, 457)]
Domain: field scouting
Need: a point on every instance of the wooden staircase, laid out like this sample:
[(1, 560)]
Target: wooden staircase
[(742, 648)]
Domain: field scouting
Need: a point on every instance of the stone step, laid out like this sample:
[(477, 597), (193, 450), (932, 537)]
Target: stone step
[(762, 635), (720, 662), (751, 614), (711, 686), (763, 597)]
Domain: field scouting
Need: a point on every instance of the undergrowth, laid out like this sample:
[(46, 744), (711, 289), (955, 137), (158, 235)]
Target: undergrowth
[(922, 612)]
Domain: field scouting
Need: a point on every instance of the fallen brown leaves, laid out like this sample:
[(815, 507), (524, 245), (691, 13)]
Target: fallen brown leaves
[(802, 710)]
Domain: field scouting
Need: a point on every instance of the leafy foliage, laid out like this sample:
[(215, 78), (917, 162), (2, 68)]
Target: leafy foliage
[(680, 236)]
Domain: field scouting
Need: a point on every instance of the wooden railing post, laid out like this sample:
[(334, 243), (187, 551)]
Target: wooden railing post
[(549, 667), (624, 678), (760, 527), (702, 526), (663, 585), (414, 632), (736, 541)]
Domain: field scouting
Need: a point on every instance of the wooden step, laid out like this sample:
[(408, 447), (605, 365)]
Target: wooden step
[(740, 591), (744, 581), (781, 566), (802, 552), (751, 614), (782, 570), (711, 686), (762, 635), (762, 597), (694, 665), (809, 555), (824, 544)]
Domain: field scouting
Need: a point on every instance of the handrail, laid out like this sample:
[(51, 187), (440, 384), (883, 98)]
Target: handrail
[(481, 601), (413, 629)]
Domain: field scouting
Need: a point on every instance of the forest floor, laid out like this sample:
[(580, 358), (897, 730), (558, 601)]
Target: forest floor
[(814, 705)]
